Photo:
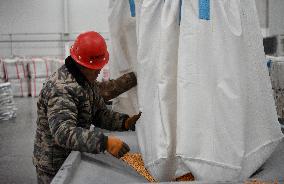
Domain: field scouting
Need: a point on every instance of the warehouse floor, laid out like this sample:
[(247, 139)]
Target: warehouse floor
[(16, 144)]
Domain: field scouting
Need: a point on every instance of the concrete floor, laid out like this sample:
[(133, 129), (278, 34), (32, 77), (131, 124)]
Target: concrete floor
[(16, 144)]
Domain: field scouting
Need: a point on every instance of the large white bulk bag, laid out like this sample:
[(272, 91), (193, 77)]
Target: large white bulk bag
[(157, 62), (226, 119), (36, 86), (123, 53), (224, 124), (39, 68), (14, 68), (20, 87)]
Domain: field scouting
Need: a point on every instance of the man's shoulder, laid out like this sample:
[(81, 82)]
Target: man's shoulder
[(61, 81)]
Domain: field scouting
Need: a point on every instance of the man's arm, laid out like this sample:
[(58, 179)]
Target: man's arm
[(113, 88), (108, 119), (62, 119)]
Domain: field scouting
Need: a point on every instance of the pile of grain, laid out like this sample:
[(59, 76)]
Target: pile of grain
[(136, 162), (260, 182), (186, 177)]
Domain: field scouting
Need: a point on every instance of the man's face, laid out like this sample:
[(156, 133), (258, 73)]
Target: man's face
[(91, 75)]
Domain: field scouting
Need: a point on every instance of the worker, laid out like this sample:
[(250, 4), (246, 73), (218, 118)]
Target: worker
[(71, 100)]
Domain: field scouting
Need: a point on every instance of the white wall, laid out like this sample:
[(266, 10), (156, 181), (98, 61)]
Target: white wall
[(261, 9), (88, 15), (28, 16), (276, 17), (44, 20)]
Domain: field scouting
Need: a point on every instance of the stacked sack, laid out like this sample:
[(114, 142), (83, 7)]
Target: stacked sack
[(27, 75), (2, 73), (39, 69), (7, 104), (16, 74), (276, 69), (55, 63)]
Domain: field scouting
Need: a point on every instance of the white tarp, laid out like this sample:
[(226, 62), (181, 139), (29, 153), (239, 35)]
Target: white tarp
[(14, 68), (224, 124), (39, 68), (20, 87), (123, 53), (35, 86)]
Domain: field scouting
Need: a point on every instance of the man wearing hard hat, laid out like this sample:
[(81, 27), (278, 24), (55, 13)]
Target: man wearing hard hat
[(71, 100)]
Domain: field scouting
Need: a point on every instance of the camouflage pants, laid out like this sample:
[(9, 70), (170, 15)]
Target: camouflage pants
[(43, 177)]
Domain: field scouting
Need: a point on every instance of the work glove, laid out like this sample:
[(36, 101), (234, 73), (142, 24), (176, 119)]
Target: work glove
[(130, 122), (116, 147)]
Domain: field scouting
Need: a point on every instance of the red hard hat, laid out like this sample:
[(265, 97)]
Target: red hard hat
[(90, 50)]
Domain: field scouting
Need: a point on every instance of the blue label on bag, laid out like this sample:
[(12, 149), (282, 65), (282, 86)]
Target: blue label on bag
[(204, 9), (132, 8), (269, 63)]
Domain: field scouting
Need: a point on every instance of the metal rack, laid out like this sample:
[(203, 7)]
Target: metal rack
[(63, 39)]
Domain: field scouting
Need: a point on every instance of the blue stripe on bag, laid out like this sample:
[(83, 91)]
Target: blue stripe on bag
[(180, 4), (269, 63), (204, 9), (132, 8)]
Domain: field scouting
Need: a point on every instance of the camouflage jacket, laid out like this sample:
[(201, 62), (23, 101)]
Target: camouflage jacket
[(66, 108), (113, 88)]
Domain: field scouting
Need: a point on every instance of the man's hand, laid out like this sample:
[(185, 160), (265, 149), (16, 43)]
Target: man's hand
[(116, 147), (131, 121)]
